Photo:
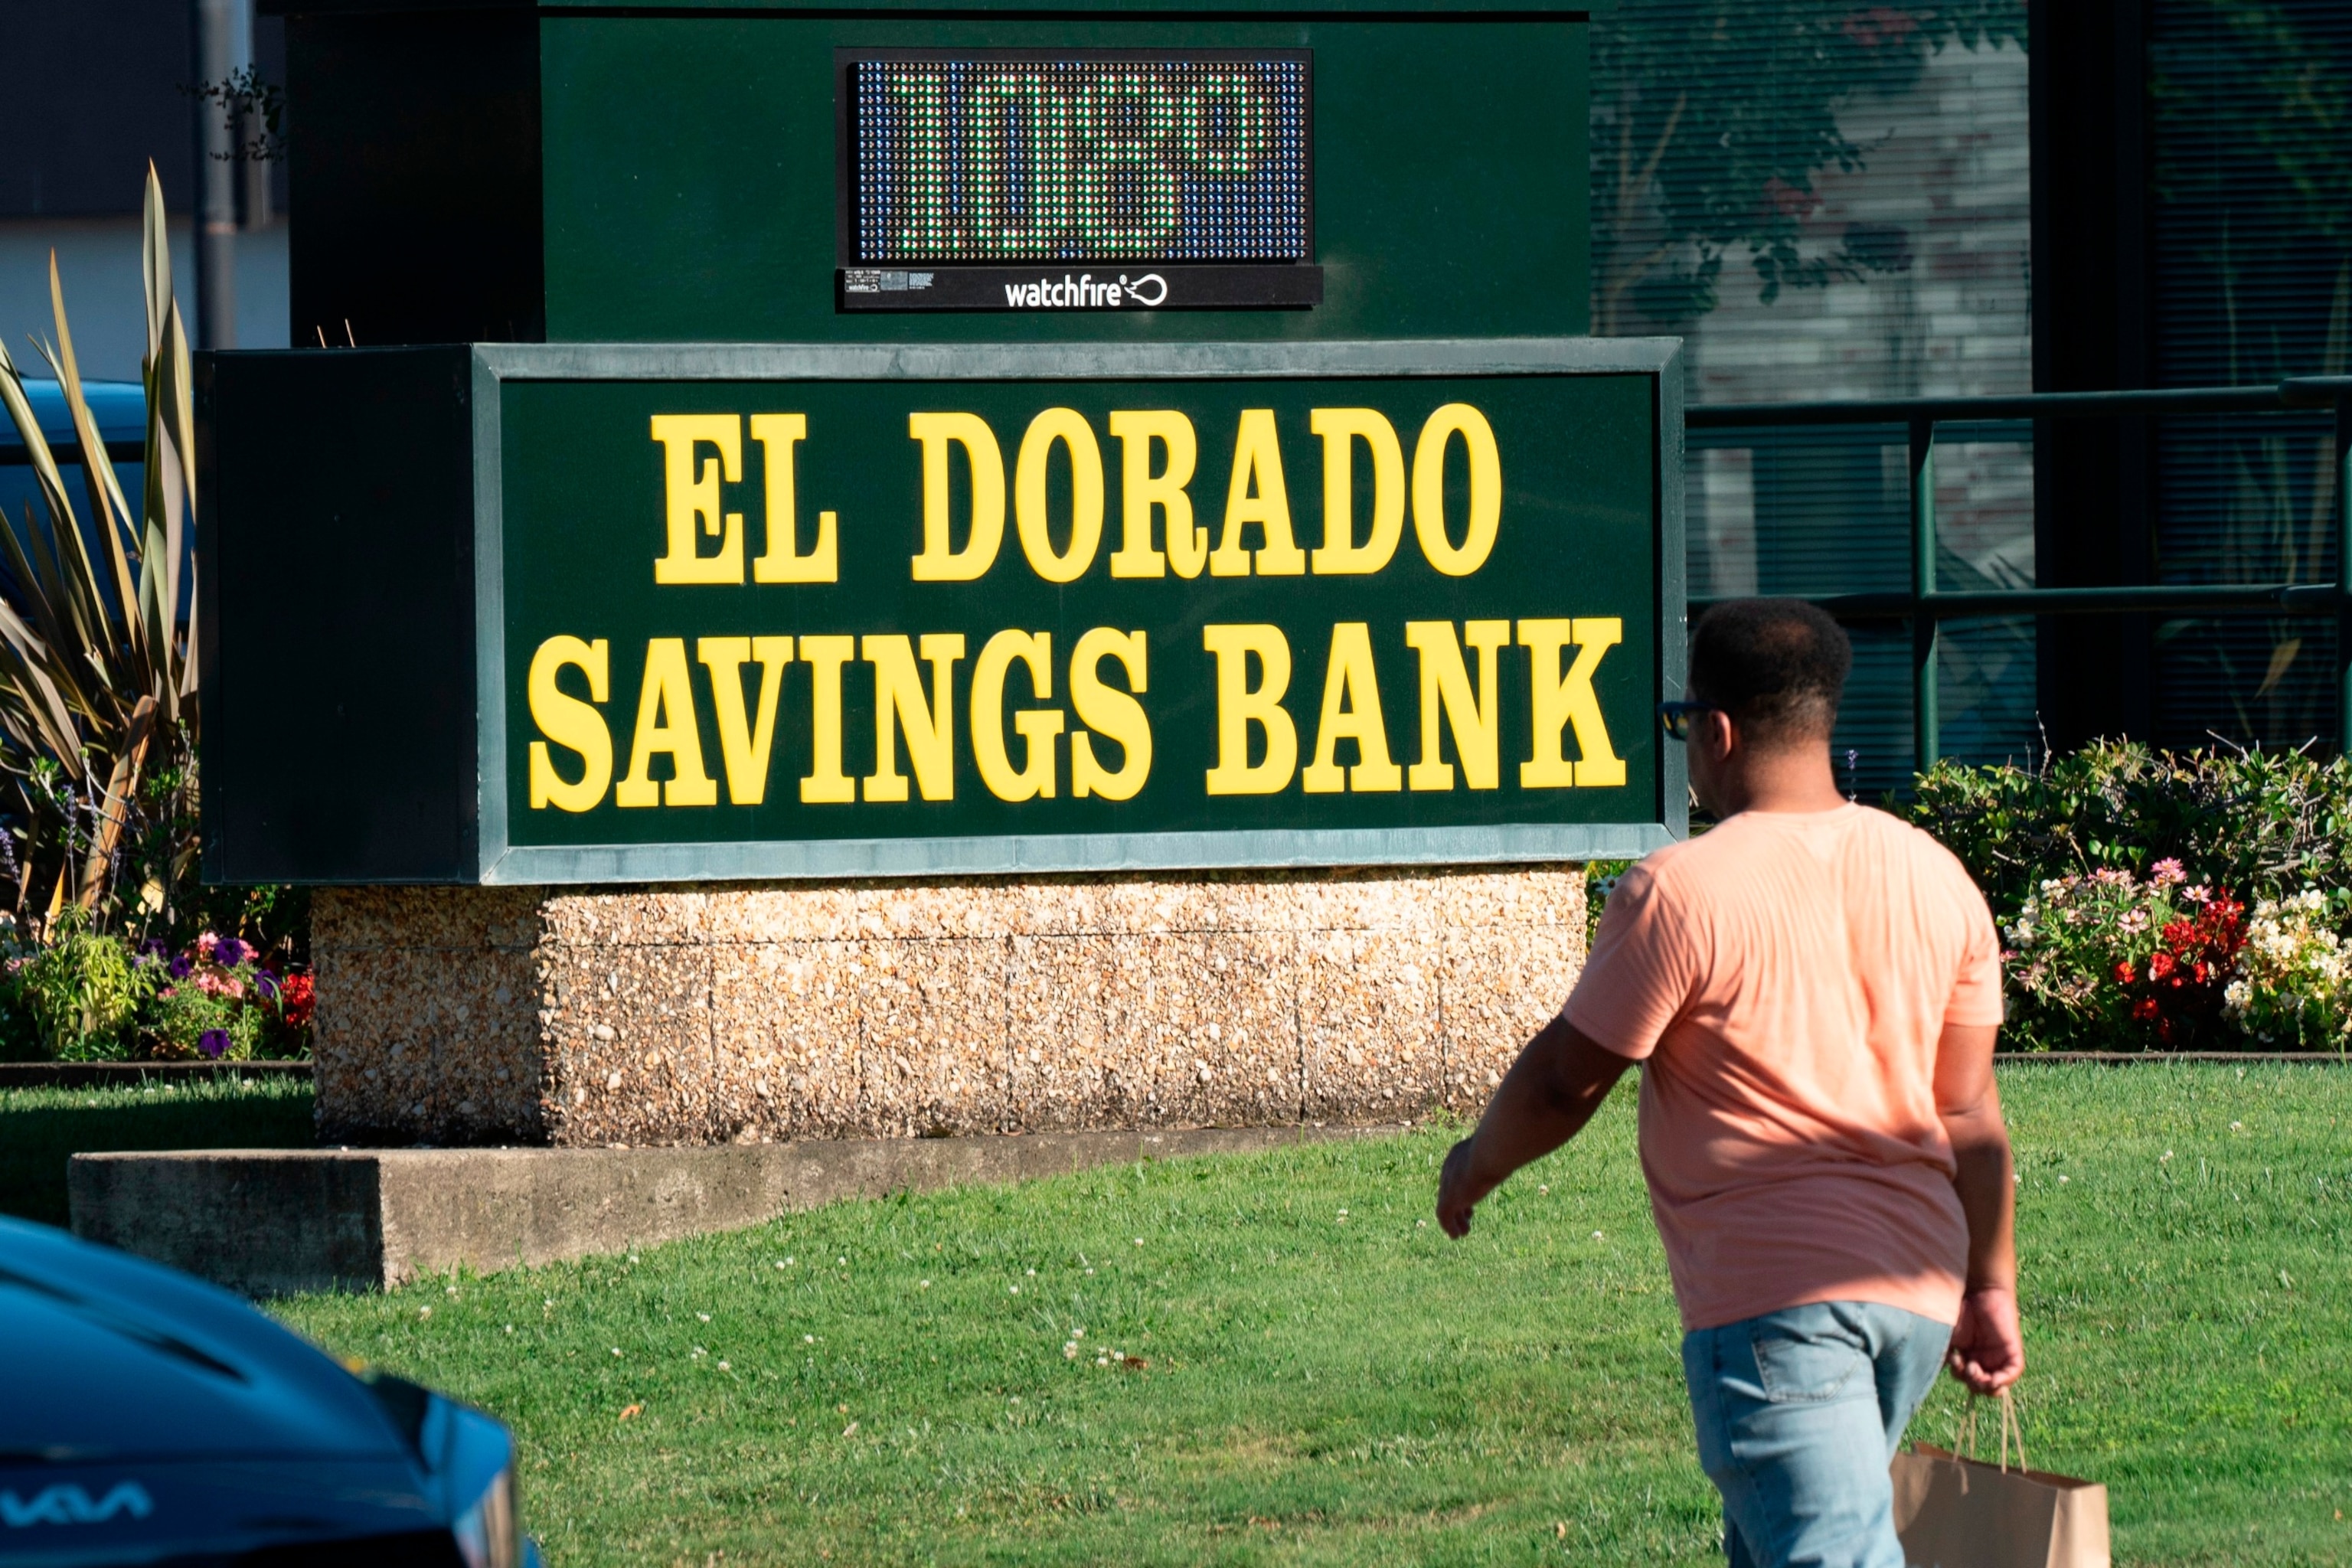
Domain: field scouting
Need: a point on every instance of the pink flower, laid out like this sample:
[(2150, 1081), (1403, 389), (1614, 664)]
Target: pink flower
[(2167, 873), (204, 946)]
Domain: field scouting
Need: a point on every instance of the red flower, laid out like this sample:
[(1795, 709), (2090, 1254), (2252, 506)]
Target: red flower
[(2125, 974), (2144, 1009), (2160, 966), (296, 994)]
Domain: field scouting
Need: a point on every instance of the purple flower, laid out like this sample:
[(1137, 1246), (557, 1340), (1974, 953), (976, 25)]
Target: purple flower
[(266, 982), (213, 1044), (179, 966), (231, 952)]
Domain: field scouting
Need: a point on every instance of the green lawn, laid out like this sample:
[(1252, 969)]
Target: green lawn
[(1319, 1377), (40, 1128)]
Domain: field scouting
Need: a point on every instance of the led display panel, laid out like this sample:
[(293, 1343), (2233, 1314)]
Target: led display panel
[(976, 180)]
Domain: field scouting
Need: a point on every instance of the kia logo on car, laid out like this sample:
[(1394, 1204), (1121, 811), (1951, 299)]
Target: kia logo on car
[(67, 1504)]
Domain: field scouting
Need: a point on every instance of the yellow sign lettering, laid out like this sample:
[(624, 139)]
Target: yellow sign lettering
[(779, 436), (1341, 429), (1486, 512), (1241, 706), (690, 495), (899, 705), (1068, 427), (667, 724), (567, 721), (1563, 700), (1259, 496), (940, 562), (1036, 726), (1351, 712), (1446, 699), (826, 784), (1140, 490), (743, 746), (1109, 713)]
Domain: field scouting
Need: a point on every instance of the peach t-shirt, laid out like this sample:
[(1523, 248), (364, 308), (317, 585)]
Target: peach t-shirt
[(1786, 977)]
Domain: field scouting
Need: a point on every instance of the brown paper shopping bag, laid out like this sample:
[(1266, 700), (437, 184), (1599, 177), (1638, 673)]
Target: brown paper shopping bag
[(1959, 1513)]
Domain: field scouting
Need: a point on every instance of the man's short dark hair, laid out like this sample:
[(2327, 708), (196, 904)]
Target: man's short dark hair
[(1777, 666)]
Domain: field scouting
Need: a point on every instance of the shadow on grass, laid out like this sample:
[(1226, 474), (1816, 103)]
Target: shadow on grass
[(40, 1129)]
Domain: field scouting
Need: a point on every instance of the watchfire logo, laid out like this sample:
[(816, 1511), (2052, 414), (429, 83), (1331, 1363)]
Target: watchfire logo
[(70, 1505), (1084, 293)]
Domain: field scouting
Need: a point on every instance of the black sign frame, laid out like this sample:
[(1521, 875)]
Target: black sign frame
[(864, 285)]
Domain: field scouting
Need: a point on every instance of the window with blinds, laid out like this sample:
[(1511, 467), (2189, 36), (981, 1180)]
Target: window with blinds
[(1831, 200), (2250, 111)]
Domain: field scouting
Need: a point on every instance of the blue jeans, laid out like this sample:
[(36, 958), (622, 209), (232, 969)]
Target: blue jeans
[(1798, 1414)]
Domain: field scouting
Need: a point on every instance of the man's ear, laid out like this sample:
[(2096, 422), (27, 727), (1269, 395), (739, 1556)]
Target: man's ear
[(1722, 733)]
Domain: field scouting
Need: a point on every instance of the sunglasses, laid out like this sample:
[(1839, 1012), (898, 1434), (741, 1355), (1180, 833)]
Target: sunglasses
[(1674, 717)]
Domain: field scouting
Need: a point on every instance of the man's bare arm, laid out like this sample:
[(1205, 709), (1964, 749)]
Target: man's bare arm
[(1988, 1347), (1551, 1092)]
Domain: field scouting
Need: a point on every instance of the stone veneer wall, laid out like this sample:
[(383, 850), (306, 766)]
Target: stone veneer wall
[(752, 1012)]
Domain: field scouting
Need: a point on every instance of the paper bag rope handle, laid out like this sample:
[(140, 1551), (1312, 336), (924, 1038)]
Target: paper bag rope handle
[(1964, 1440)]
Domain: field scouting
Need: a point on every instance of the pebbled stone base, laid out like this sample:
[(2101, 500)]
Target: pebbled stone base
[(766, 1013)]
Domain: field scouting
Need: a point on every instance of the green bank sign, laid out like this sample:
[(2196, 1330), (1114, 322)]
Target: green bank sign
[(775, 611)]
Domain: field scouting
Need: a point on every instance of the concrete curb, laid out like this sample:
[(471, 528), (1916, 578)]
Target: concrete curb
[(274, 1222)]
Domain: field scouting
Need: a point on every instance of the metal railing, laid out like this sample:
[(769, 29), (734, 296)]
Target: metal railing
[(1925, 606)]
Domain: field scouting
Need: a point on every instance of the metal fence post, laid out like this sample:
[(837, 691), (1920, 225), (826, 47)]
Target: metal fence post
[(2344, 571), (1924, 715)]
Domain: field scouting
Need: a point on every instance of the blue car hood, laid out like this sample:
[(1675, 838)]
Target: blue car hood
[(105, 1358)]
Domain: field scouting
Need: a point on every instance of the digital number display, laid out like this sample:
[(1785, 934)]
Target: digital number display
[(999, 158)]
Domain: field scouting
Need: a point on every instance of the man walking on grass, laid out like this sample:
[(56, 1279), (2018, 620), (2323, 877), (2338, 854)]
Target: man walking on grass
[(1813, 989)]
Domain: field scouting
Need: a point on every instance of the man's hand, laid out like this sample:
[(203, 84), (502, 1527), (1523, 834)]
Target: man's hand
[(1988, 1350), (1551, 1092), (1458, 1192)]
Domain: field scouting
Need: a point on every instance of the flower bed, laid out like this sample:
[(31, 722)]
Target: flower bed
[(2161, 901), (87, 996)]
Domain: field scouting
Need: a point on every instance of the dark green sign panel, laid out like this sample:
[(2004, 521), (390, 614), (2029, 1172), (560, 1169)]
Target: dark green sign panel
[(804, 611)]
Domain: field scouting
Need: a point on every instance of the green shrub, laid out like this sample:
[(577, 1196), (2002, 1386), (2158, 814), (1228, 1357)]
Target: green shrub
[(1600, 881), (2122, 877), (188, 1023), (77, 995), (2251, 824)]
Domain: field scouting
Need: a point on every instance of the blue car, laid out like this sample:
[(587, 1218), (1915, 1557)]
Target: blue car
[(121, 409), (148, 1418)]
